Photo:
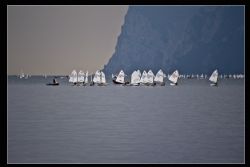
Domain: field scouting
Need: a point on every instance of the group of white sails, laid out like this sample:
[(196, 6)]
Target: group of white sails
[(146, 78), (81, 77), (99, 78), (22, 75)]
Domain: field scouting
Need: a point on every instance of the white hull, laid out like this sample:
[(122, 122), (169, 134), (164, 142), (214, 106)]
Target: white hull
[(213, 84), (173, 84)]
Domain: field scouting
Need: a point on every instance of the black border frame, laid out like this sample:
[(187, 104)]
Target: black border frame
[(3, 37)]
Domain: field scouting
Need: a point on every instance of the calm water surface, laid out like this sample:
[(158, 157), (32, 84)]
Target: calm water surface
[(190, 123)]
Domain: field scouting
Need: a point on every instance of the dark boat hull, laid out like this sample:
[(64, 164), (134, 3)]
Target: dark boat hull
[(119, 83), (52, 84)]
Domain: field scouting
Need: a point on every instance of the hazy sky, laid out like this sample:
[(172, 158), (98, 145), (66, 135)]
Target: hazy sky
[(58, 39)]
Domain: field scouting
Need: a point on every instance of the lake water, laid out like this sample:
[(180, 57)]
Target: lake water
[(190, 123)]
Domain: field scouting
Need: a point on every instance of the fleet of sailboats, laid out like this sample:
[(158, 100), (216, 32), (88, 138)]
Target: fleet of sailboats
[(137, 78), (22, 75), (80, 78)]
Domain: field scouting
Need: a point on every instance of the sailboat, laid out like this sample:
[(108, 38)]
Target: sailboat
[(102, 79), (99, 78), (174, 78), (150, 78), (21, 75), (144, 78), (81, 76), (135, 78), (91, 81), (119, 79), (73, 77), (214, 78), (26, 76), (159, 78), (86, 79)]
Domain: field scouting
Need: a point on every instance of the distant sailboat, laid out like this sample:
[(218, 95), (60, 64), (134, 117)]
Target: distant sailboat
[(91, 80), (102, 79), (119, 79), (86, 79), (96, 78), (150, 78), (99, 78), (73, 77), (135, 78), (144, 78), (159, 77), (21, 75), (174, 78), (214, 78), (81, 76), (26, 76)]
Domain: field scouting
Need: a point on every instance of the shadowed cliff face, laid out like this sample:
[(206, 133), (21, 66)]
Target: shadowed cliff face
[(193, 39)]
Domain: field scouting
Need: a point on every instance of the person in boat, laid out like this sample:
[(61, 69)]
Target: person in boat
[(54, 81)]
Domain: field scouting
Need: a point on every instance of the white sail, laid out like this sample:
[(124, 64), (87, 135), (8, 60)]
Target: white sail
[(22, 74), (120, 77), (150, 76), (86, 77), (73, 76), (174, 77), (135, 77), (81, 76), (214, 77), (159, 76), (144, 78), (139, 73), (102, 77), (97, 78)]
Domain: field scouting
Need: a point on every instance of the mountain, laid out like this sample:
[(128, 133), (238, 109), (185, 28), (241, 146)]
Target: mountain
[(192, 39)]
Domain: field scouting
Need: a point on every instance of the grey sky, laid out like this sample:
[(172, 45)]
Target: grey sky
[(58, 39)]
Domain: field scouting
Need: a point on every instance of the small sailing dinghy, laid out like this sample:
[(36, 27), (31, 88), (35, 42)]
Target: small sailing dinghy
[(73, 77), (99, 78), (81, 76), (144, 78), (135, 78), (159, 77), (91, 81), (214, 78), (150, 78), (55, 83), (86, 79), (174, 78), (96, 78), (102, 79), (119, 79), (21, 75)]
